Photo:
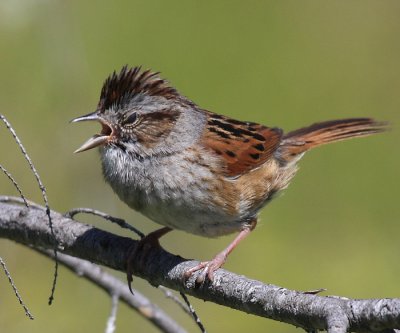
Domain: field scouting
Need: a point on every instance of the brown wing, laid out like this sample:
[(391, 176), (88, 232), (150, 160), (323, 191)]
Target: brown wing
[(243, 146)]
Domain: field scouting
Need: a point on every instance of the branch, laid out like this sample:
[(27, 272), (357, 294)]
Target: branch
[(119, 291), (29, 226), (14, 287)]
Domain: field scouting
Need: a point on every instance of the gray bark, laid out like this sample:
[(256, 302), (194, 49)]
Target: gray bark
[(29, 226)]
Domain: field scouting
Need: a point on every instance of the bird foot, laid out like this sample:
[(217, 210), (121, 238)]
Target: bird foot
[(208, 268), (143, 248)]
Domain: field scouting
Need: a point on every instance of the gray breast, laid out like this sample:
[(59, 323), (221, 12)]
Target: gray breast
[(172, 193)]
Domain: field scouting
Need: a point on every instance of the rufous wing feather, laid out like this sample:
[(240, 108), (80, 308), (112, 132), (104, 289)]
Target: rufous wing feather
[(242, 146)]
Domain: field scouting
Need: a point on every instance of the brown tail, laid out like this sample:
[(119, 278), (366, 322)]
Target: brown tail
[(303, 139)]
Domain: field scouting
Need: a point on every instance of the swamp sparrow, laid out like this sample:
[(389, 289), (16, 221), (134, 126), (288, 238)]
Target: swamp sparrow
[(194, 170)]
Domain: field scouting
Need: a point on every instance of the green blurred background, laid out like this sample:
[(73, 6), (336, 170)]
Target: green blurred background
[(280, 63)]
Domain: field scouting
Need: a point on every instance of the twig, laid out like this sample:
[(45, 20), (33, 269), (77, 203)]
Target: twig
[(121, 222), (2, 263), (27, 312), (19, 201), (193, 313), (10, 177), (114, 286), (46, 202), (175, 299), (110, 328), (186, 306)]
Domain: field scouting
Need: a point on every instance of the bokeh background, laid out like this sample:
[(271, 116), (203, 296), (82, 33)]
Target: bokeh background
[(280, 63)]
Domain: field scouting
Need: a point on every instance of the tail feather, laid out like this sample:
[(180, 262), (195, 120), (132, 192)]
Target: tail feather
[(303, 139)]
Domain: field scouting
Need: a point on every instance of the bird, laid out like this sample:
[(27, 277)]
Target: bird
[(190, 169)]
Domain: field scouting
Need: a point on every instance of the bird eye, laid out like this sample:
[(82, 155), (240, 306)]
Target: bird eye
[(131, 118)]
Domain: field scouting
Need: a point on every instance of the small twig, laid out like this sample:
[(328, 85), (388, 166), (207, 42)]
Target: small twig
[(114, 286), (46, 202), (31, 204), (121, 222), (186, 306), (113, 315), (2, 263), (10, 177), (174, 298), (193, 312), (27, 312)]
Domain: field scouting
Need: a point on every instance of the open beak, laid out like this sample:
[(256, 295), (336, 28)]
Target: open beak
[(97, 139)]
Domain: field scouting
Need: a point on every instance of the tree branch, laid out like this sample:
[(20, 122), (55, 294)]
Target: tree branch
[(29, 226), (118, 290)]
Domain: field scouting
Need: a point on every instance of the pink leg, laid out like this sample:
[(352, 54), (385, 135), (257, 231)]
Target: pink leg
[(144, 245), (209, 267)]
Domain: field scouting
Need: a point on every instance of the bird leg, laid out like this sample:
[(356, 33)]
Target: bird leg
[(209, 267), (145, 244)]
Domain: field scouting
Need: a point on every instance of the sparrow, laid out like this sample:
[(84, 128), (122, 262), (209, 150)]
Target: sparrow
[(190, 169)]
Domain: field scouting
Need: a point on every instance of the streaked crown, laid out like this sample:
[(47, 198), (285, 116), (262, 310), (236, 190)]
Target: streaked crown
[(129, 82)]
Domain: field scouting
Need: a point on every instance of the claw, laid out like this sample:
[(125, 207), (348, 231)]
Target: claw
[(129, 277), (207, 269), (129, 268), (202, 277), (143, 247)]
